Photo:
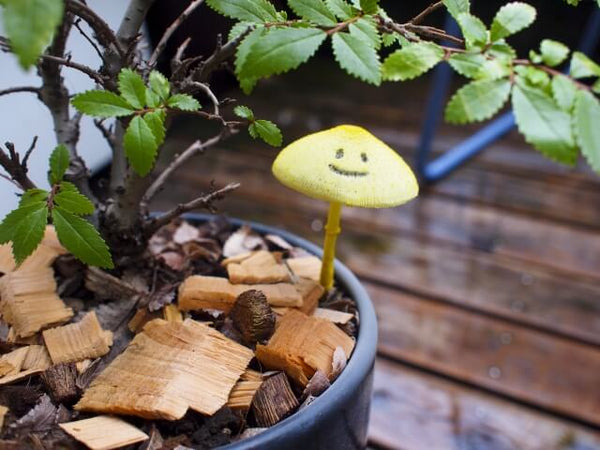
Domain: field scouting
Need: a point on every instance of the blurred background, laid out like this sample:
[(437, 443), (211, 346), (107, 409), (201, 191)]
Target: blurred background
[(487, 287)]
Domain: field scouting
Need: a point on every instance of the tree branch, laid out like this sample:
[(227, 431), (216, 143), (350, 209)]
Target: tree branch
[(80, 67), (160, 47), (15, 167), (132, 21), (206, 201), (222, 53), (13, 90), (213, 98), (421, 16), (89, 39)]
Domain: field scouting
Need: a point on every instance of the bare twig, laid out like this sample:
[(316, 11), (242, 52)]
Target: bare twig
[(80, 67), (160, 47), (221, 54), (33, 90), (213, 98), (107, 133), (15, 167), (206, 201), (421, 16), (89, 39), (432, 32)]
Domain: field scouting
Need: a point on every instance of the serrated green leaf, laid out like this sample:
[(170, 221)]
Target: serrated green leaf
[(74, 202), (243, 50), (33, 196), (183, 102), (238, 29), (152, 99), (12, 220), (502, 50), (81, 239), (132, 88), (247, 10), (467, 64), (340, 8), (583, 67), (457, 7), (268, 132), (156, 122), (369, 6), (473, 29), (252, 130), (103, 104), (244, 112), (314, 11), (510, 19), (365, 29), (29, 233), (389, 39), (280, 50), (476, 101), (30, 26), (59, 163), (586, 121), (553, 52), (493, 69), (535, 57), (140, 145), (596, 86), (357, 57), (411, 61), (159, 84), (543, 123), (537, 77)]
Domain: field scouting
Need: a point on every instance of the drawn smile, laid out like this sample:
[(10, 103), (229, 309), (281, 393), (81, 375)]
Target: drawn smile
[(347, 173)]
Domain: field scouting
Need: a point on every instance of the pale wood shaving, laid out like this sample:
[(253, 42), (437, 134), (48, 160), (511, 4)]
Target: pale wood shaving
[(172, 314), (78, 341), (305, 267), (42, 257), (237, 258), (302, 345), (7, 379), (3, 411), (201, 292), (82, 366), (7, 262), (12, 338), (260, 268), (168, 368), (104, 432), (141, 317), (17, 359), (37, 358), (333, 316), (243, 392), (311, 292), (26, 282)]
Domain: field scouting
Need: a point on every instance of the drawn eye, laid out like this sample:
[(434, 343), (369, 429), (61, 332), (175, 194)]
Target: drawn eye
[(339, 154), (364, 158)]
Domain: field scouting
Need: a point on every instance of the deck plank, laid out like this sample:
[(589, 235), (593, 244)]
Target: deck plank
[(412, 410)]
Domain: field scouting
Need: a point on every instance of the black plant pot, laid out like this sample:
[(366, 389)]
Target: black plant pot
[(338, 419)]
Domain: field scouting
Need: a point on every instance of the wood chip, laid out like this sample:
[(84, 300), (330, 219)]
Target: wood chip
[(12, 338), (200, 292), (243, 392), (273, 401), (17, 359), (7, 262), (3, 411), (82, 366), (168, 368), (42, 257), (78, 341), (61, 383), (141, 318), (104, 432), (37, 358), (302, 345), (172, 314), (305, 267), (333, 316), (13, 362), (311, 292), (260, 268)]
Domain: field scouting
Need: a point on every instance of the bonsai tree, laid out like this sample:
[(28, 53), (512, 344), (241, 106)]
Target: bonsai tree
[(133, 104)]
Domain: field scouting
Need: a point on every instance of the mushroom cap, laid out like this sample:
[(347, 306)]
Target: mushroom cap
[(349, 165)]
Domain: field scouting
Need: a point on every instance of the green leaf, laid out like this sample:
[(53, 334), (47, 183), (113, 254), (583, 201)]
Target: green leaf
[(243, 50), (267, 131), (502, 50), (244, 112), (140, 145), (101, 104), (586, 121), (152, 99), (553, 52), (478, 100), (280, 50), (596, 86), (494, 69), (33, 196), (467, 64), (15, 217), (473, 29), (247, 10), (543, 123), (357, 57), (411, 61), (30, 26), (132, 88), (156, 122), (59, 163), (238, 29), (184, 102), (583, 67), (457, 7), (365, 29), (369, 6), (159, 84), (537, 77), (81, 238), (389, 39), (74, 202), (340, 8), (29, 233), (314, 11), (510, 19)]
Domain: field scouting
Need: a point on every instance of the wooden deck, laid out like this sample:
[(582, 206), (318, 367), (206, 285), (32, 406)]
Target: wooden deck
[(487, 287)]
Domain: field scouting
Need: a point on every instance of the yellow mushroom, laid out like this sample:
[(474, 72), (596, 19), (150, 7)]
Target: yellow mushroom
[(345, 165)]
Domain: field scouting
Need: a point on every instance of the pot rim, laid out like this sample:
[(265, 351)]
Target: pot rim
[(359, 365)]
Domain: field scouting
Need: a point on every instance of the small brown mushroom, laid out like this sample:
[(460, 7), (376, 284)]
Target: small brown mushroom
[(253, 317)]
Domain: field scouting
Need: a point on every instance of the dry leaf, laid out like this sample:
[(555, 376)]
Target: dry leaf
[(185, 233), (242, 241)]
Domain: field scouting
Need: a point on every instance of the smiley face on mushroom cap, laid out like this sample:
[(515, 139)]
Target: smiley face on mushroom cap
[(349, 165)]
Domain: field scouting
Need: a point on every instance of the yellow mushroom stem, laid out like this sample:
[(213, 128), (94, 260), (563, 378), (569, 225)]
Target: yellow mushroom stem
[(332, 229)]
